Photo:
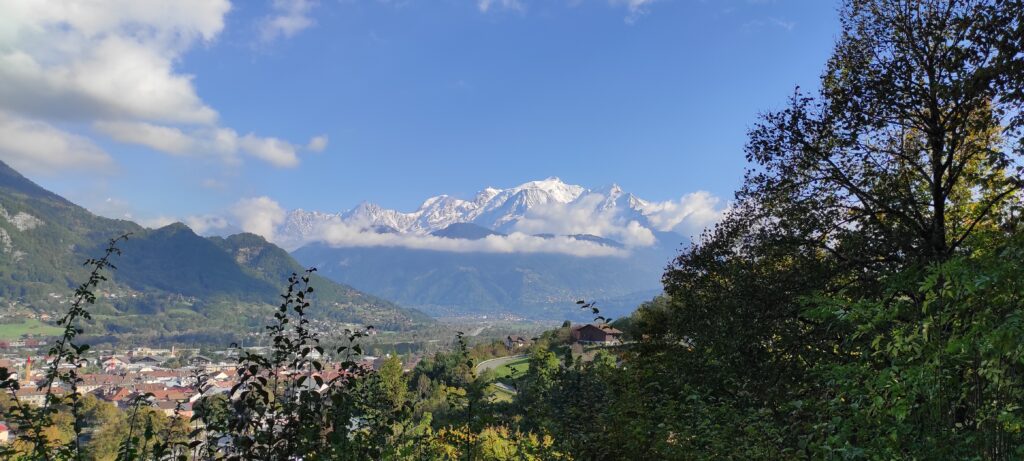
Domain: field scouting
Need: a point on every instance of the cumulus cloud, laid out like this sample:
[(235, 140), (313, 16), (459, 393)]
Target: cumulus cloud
[(162, 138), (689, 215), (112, 64), (259, 215), (586, 215), (109, 58), (593, 214), (342, 234), (224, 143), (274, 151), (34, 146), (289, 18)]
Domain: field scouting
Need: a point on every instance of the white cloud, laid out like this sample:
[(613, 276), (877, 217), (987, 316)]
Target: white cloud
[(585, 216), (162, 138), (111, 207), (590, 214), (157, 222), (263, 216), (113, 63), (107, 58), (275, 151), (223, 143), (203, 224), (341, 234), (33, 146), (487, 5), (290, 17), (689, 215), (317, 144), (259, 215)]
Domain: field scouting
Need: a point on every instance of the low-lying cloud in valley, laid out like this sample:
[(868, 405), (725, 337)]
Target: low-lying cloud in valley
[(342, 234)]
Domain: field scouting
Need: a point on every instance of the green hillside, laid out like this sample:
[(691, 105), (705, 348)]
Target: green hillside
[(169, 281), (533, 285)]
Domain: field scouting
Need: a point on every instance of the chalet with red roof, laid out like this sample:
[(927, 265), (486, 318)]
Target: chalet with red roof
[(596, 334)]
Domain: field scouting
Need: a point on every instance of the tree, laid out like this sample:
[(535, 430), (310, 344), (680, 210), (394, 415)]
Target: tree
[(843, 256), (535, 386), (393, 382), (909, 116)]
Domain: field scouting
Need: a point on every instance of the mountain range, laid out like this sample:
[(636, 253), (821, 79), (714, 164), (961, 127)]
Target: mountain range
[(169, 281), (500, 210), (531, 250)]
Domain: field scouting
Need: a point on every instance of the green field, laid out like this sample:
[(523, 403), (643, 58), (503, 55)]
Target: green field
[(519, 366), (11, 331)]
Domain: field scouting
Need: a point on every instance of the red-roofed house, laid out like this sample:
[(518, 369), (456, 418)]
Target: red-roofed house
[(596, 334)]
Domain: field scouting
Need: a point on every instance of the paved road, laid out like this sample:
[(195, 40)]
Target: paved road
[(506, 388), (495, 363)]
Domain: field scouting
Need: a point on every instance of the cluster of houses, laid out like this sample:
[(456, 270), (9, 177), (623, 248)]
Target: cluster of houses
[(143, 372), (23, 342), (123, 378)]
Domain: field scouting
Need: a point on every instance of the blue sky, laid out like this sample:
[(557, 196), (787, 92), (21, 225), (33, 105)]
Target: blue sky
[(413, 98)]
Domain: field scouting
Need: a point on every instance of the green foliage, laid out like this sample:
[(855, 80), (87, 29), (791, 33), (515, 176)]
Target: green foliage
[(393, 382), (940, 378)]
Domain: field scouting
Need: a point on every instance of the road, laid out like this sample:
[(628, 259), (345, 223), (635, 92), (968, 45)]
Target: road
[(495, 363), (506, 388), (478, 330)]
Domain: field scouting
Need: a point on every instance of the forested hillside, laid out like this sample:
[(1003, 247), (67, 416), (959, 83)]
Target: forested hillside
[(172, 281)]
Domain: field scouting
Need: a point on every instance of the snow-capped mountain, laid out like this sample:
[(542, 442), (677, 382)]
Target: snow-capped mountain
[(532, 249), (500, 210)]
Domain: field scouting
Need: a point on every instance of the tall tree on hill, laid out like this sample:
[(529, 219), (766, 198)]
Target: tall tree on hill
[(906, 150), (839, 254)]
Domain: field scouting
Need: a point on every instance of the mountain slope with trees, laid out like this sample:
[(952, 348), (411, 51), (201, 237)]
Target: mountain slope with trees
[(44, 239), (530, 285)]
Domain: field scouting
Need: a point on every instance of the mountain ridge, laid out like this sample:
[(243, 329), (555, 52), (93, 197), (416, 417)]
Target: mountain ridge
[(44, 238), (458, 256), (499, 210)]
